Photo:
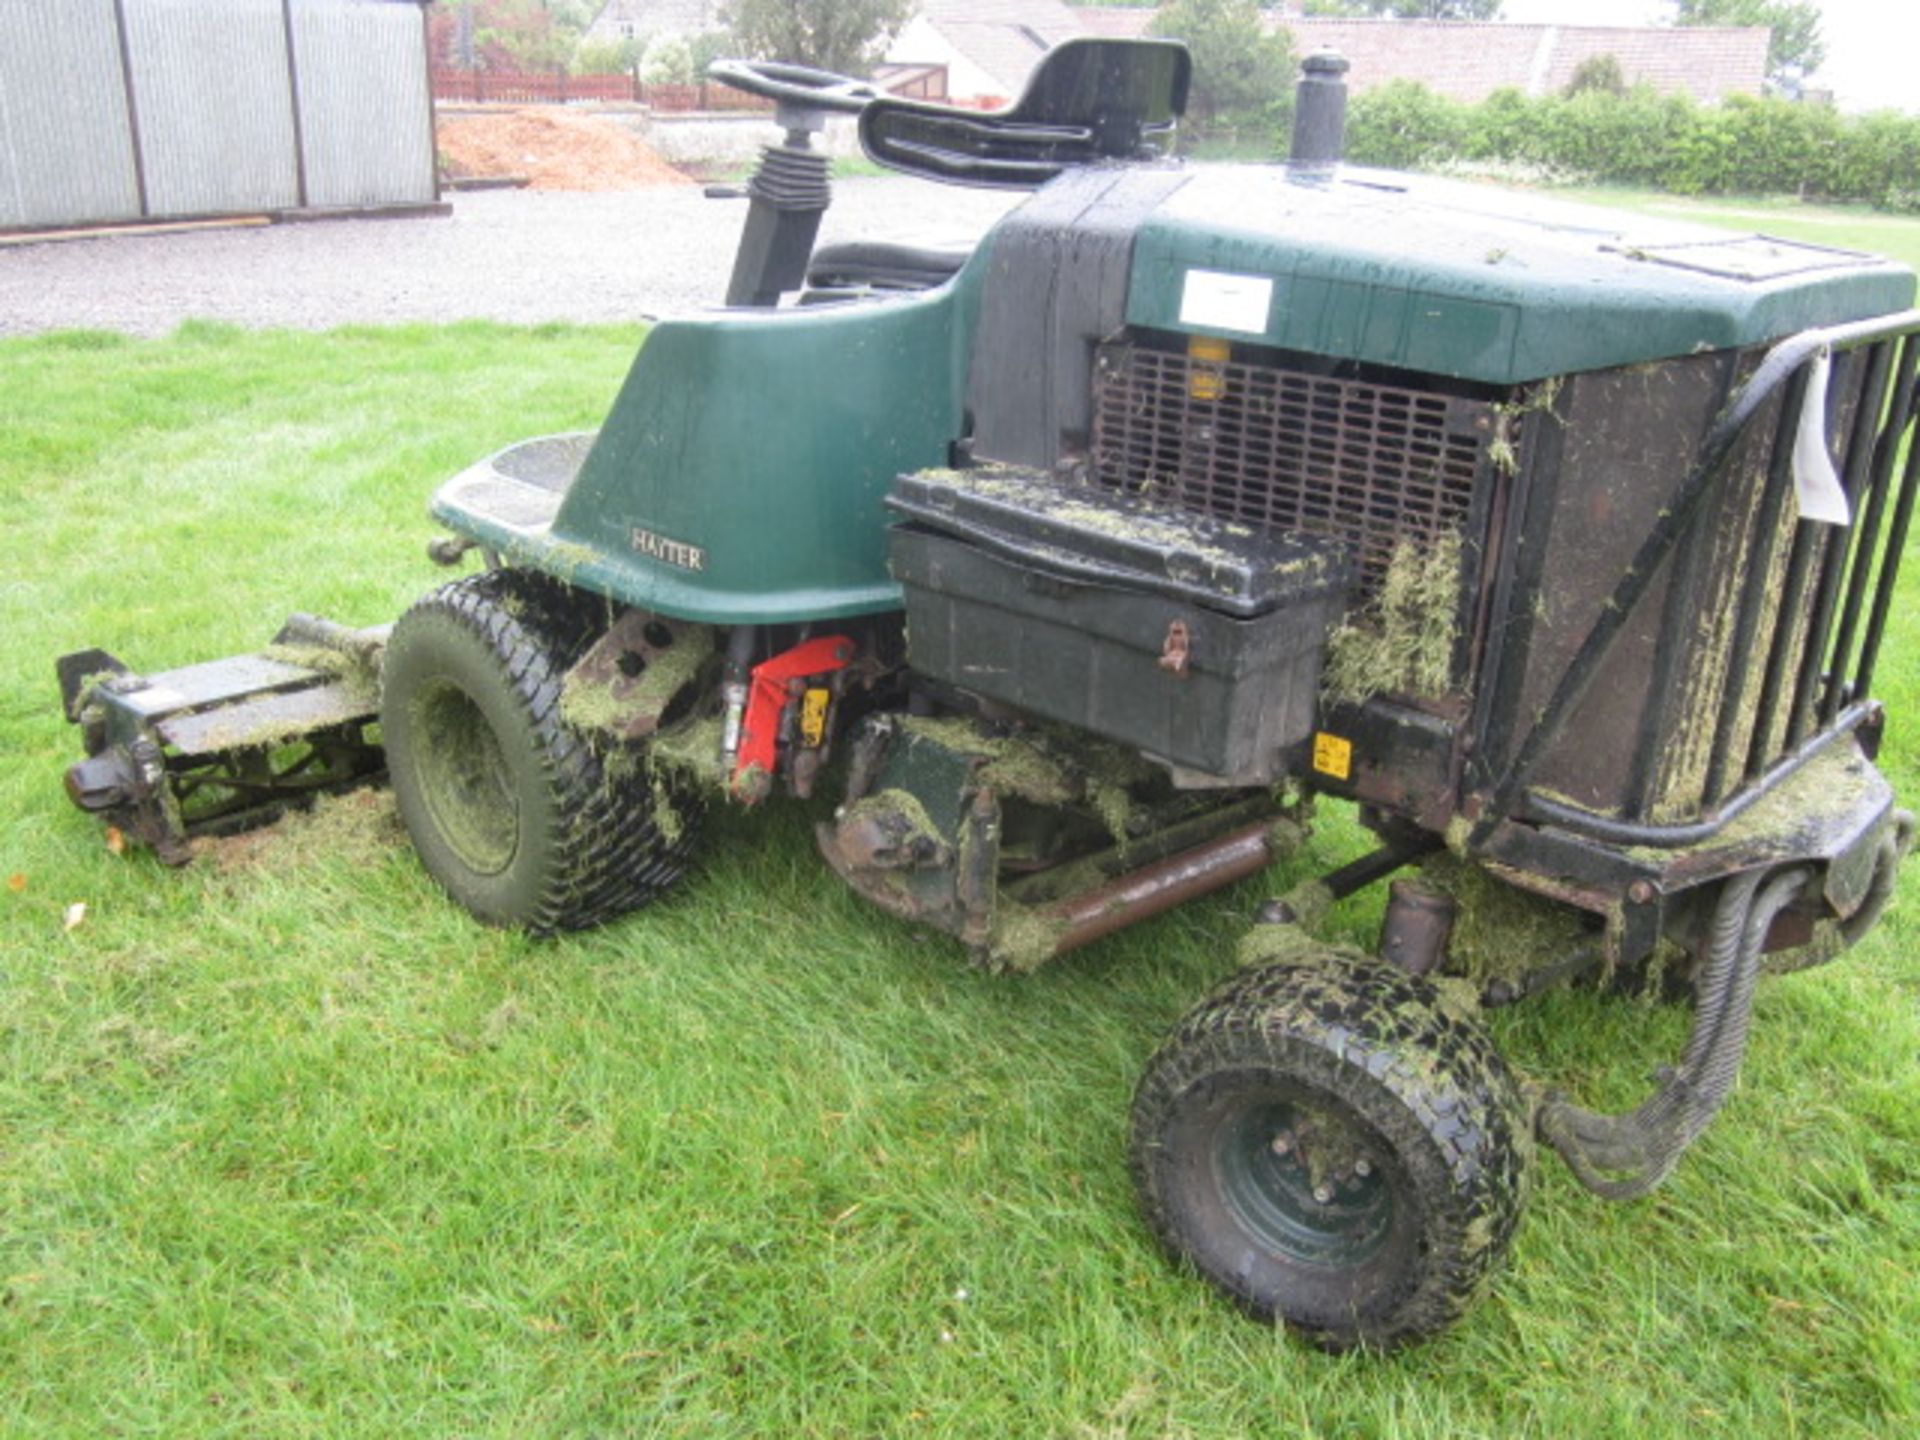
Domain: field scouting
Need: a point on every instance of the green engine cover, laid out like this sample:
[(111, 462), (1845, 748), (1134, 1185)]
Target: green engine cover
[(1474, 282)]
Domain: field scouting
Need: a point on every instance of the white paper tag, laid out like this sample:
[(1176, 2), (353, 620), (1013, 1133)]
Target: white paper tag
[(1217, 300), (1815, 485)]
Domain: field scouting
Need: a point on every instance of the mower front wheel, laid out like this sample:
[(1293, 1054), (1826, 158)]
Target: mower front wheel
[(522, 820), (1332, 1147)]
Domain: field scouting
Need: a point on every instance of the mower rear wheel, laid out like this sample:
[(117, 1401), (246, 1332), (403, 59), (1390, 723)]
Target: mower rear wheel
[(1332, 1147), (521, 819)]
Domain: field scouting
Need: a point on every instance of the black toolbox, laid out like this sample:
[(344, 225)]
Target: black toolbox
[(1195, 640)]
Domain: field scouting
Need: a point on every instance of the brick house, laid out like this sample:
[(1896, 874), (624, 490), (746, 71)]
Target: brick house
[(988, 47), (640, 20)]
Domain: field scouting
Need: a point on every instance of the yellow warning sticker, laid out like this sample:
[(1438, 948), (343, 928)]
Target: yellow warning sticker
[(813, 716), (1332, 755), (1207, 379)]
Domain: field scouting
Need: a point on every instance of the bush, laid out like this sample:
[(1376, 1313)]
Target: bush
[(668, 60), (1742, 145), (606, 57), (1404, 126)]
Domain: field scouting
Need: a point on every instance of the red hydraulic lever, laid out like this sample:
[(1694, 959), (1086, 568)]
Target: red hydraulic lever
[(767, 698)]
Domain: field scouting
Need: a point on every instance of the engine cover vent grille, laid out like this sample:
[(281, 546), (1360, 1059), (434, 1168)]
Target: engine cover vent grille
[(1368, 465)]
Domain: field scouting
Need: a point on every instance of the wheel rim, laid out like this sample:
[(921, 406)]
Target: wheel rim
[(464, 778), (1306, 1180)]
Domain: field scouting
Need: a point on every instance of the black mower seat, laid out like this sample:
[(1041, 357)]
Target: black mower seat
[(882, 265)]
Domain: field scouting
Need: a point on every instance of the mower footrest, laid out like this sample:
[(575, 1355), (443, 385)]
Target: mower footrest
[(519, 489)]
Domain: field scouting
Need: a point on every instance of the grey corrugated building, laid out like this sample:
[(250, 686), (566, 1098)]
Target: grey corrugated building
[(127, 110)]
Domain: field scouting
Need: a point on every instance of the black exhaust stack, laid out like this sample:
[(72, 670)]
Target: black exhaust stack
[(1320, 111)]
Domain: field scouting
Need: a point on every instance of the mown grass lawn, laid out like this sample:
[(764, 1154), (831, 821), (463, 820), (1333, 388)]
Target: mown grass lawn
[(1853, 227), (289, 1146)]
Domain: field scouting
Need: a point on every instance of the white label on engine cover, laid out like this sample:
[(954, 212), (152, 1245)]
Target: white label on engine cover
[(1215, 300)]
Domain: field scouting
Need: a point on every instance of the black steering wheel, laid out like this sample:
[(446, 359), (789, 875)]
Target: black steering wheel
[(799, 85)]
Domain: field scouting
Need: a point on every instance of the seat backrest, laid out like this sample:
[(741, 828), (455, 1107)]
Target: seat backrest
[(1088, 100)]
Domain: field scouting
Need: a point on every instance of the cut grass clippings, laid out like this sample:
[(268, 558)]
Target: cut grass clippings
[(290, 1146)]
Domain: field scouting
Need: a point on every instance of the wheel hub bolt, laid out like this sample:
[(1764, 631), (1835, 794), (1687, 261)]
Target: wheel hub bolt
[(1283, 1143), (1322, 1194), (1363, 1168)]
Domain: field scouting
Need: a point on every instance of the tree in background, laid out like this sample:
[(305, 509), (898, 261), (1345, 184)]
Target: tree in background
[(509, 34), (1409, 9), (844, 36), (1241, 71), (572, 18), (1797, 48), (1597, 73)]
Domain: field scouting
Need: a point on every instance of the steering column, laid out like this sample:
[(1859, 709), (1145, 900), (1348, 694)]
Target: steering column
[(789, 191)]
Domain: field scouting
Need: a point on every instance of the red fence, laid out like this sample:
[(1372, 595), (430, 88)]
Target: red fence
[(484, 87)]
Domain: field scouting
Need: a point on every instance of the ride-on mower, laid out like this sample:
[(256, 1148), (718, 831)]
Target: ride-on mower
[(1084, 564)]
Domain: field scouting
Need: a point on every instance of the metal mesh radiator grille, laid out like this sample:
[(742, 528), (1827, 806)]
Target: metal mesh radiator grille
[(1370, 465)]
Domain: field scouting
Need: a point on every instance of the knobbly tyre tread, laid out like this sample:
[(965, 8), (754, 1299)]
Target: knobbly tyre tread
[(1429, 1080), (611, 854)]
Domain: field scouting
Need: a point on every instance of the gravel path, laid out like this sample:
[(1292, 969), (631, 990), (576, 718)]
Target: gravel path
[(521, 256)]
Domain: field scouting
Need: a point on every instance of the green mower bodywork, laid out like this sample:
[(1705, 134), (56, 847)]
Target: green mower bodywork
[(1078, 566), (1503, 290), (695, 502)]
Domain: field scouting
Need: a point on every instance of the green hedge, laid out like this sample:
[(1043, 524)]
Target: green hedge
[(1742, 145)]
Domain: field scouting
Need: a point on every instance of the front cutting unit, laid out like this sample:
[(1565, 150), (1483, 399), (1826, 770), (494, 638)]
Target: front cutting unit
[(1072, 571)]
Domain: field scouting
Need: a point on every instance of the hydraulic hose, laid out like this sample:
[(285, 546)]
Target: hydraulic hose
[(1623, 1157), (1895, 842)]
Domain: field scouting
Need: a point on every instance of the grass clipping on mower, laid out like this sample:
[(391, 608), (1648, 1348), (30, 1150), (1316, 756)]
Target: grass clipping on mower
[(1500, 932), (1402, 641)]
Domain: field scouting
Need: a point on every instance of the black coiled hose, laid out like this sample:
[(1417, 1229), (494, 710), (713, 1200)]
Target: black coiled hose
[(1622, 1157)]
